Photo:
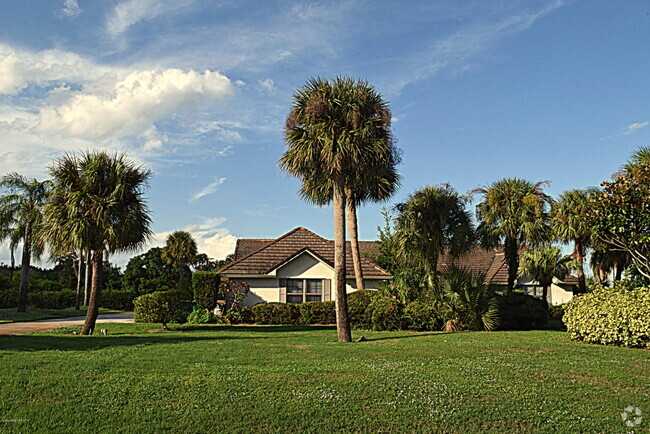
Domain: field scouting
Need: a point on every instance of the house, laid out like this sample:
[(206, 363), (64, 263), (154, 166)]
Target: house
[(299, 267)]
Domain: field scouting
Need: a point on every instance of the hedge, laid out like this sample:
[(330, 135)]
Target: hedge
[(520, 311), (8, 298), (317, 312), (52, 299), (419, 315), (616, 316), (117, 299), (385, 314), (206, 289), (276, 313), (160, 306), (358, 303)]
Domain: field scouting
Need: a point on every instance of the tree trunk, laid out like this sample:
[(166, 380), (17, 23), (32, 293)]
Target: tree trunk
[(24, 268), (512, 259), (353, 231), (545, 293), (93, 304), (578, 253), (87, 278), (342, 320), (78, 299), (13, 258), (619, 272)]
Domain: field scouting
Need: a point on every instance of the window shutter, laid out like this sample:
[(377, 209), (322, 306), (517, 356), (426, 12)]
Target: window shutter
[(283, 290), (327, 289)]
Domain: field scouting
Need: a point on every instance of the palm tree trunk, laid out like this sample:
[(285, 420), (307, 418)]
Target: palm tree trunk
[(353, 231), (78, 298), (580, 258), (13, 258), (93, 304), (512, 258), (342, 320), (619, 272), (24, 268), (87, 278), (545, 293)]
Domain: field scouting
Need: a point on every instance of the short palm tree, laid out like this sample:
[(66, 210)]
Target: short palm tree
[(515, 212), (433, 221), (21, 215), (336, 129), (97, 201), (544, 263), (570, 224), (180, 251)]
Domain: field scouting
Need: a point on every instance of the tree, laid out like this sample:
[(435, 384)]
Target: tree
[(433, 221), (605, 259), (514, 212), (180, 251), (570, 223), (335, 130), (97, 201), (542, 264), (21, 214), (148, 272)]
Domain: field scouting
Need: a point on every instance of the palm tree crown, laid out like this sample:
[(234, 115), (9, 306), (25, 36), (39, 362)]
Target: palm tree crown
[(542, 264), (180, 249)]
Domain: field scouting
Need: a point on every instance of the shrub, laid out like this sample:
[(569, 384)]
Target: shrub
[(276, 313), (202, 316), (117, 299), (385, 314), (8, 298), (420, 315), (317, 312), (610, 316), (359, 314), (522, 312), (161, 306), (52, 299), (206, 289), (556, 312)]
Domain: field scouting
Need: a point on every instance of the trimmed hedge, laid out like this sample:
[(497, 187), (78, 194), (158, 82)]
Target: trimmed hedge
[(160, 306), (317, 312), (422, 316), (52, 299), (276, 313), (117, 299), (358, 304), (206, 289), (522, 312), (385, 314), (8, 298), (616, 316)]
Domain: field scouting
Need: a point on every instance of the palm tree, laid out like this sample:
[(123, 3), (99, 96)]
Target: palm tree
[(21, 214), (514, 212), (641, 157), (570, 224), (542, 264), (605, 259), (180, 251), (97, 201), (335, 129), (433, 221)]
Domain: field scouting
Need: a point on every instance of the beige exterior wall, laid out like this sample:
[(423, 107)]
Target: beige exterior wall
[(557, 293)]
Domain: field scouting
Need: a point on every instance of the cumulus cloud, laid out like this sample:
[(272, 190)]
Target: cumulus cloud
[(208, 189), (632, 128), (212, 239), (70, 8), (113, 107), (131, 12)]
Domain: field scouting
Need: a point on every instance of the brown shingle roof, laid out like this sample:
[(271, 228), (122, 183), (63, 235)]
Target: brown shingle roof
[(261, 256)]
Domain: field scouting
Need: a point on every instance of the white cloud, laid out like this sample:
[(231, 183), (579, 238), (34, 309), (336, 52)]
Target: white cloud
[(71, 8), (131, 12), (632, 128), (268, 86), (208, 189), (211, 239)]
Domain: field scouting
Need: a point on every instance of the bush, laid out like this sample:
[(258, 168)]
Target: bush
[(117, 299), (202, 316), (522, 312), (8, 298), (359, 314), (422, 316), (161, 306), (52, 299), (317, 312), (206, 289), (385, 314), (610, 316), (556, 312), (276, 313)]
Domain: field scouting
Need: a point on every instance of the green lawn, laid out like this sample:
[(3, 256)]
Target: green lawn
[(260, 379), (11, 315)]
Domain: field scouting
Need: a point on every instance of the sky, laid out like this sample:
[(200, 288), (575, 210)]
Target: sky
[(198, 92)]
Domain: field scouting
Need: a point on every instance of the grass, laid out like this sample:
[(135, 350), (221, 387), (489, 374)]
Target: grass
[(278, 378), (11, 315)]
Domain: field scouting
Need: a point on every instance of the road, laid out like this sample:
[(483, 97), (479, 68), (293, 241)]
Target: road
[(48, 324)]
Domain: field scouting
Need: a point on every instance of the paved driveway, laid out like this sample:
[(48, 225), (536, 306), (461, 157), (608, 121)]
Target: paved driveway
[(48, 324)]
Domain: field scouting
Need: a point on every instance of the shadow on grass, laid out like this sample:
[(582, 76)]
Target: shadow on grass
[(414, 335), (255, 328)]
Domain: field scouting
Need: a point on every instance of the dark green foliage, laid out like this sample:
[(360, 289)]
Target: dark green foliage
[(52, 299), (317, 312), (206, 289), (148, 273), (202, 316), (117, 299), (358, 302), (420, 315), (520, 311), (40, 285), (556, 311), (276, 313), (242, 316), (160, 306), (8, 298), (385, 314)]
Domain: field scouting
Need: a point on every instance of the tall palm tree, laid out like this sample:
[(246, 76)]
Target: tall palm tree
[(335, 129), (514, 212), (97, 201), (570, 224), (21, 214), (180, 251), (542, 264), (641, 157), (433, 221)]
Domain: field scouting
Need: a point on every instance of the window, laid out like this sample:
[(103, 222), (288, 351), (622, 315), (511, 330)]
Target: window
[(302, 290)]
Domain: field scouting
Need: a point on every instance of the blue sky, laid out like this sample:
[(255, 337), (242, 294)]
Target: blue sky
[(198, 91)]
